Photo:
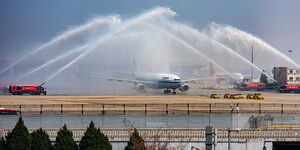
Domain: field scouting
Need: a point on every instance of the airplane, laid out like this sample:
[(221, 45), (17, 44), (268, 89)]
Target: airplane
[(142, 80), (168, 81), (165, 81)]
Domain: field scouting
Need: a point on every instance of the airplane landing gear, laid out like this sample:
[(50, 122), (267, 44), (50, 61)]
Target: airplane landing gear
[(167, 91), (142, 91)]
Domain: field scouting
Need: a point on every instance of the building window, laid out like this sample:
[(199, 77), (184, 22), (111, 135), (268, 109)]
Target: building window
[(291, 78), (291, 71), (297, 78), (297, 71)]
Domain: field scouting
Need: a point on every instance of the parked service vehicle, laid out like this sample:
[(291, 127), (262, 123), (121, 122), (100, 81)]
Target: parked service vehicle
[(249, 96), (236, 96), (288, 88), (241, 96), (258, 96), (214, 96), (226, 95)]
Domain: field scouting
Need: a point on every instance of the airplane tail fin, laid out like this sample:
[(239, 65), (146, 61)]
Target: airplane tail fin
[(136, 68), (212, 71)]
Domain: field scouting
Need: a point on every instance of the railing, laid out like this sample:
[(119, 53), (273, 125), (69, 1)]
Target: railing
[(183, 134), (172, 108)]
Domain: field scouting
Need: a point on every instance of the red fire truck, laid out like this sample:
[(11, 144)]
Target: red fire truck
[(251, 86), (288, 88), (8, 111), (27, 89)]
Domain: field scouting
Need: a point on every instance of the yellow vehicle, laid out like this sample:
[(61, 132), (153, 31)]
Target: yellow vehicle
[(258, 96), (241, 96), (227, 95), (249, 96), (214, 96), (234, 96)]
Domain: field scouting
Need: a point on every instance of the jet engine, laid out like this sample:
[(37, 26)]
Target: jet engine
[(140, 88), (184, 87)]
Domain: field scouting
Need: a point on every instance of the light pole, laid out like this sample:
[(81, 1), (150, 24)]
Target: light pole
[(229, 138), (232, 107), (231, 115), (230, 129), (209, 119), (290, 53), (252, 61)]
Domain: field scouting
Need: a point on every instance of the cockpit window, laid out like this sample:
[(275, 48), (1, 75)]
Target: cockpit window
[(165, 78)]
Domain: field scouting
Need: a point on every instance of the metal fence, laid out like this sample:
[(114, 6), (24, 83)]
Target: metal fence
[(174, 108), (182, 134)]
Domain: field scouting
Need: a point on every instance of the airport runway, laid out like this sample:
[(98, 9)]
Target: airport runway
[(270, 97)]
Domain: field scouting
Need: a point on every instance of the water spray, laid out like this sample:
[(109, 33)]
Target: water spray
[(161, 12), (191, 48), (222, 47), (147, 24), (71, 52), (66, 35), (226, 33), (42, 84)]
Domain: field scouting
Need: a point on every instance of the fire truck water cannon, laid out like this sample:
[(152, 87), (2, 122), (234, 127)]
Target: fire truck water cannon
[(27, 89)]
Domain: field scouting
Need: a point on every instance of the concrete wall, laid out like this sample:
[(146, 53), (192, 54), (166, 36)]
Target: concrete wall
[(255, 144)]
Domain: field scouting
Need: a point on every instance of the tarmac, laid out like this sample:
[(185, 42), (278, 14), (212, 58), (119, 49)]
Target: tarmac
[(269, 97)]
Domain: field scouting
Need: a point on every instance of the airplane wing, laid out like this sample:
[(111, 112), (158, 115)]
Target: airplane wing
[(196, 79), (115, 79), (108, 78)]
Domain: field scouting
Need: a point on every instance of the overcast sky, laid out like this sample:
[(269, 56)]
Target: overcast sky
[(28, 23)]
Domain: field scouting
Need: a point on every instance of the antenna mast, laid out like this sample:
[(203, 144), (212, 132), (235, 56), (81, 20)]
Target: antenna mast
[(252, 61)]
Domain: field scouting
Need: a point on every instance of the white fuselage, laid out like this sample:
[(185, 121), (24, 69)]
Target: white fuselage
[(159, 80)]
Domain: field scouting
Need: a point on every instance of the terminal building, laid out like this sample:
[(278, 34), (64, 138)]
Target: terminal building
[(285, 75)]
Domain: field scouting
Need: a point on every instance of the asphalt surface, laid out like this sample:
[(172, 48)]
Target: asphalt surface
[(192, 97)]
